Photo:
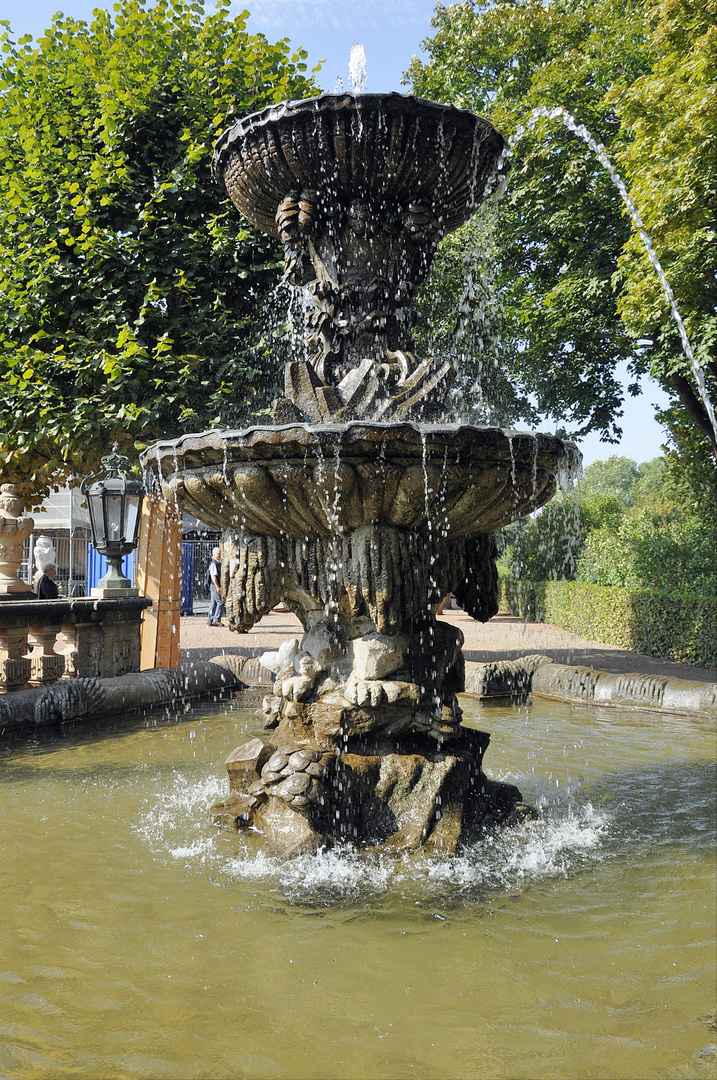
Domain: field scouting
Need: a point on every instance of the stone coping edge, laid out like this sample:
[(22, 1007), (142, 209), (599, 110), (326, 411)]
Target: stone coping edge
[(70, 700), (539, 675)]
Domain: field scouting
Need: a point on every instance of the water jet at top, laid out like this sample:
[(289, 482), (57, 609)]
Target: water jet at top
[(356, 507)]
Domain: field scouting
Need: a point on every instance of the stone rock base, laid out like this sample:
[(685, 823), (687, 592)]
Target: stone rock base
[(345, 680), (397, 796)]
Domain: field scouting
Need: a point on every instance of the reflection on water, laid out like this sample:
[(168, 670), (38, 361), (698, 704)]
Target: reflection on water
[(139, 941)]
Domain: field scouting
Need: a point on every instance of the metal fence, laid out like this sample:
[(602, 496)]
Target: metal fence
[(71, 552), (196, 556), (79, 566)]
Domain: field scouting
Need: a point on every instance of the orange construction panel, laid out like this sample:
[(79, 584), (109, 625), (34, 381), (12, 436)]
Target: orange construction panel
[(159, 561)]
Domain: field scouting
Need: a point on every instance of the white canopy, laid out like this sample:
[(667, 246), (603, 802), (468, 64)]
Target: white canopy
[(63, 509)]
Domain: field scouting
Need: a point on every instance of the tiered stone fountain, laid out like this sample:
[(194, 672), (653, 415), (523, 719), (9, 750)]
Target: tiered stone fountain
[(354, 508)]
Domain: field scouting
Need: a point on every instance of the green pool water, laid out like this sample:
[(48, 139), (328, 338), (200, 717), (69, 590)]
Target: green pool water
[(139, 941)]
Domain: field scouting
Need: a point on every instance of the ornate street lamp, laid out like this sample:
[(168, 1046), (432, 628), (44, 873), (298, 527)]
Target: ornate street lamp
[(114, 504)]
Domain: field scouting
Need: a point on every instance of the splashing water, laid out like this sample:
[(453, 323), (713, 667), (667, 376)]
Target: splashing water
[(559, 844), (357, 69), (558, 113)]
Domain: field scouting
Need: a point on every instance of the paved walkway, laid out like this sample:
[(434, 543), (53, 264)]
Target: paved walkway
[(503, 638)]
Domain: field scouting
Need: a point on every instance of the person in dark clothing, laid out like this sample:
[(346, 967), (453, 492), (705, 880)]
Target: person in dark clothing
[(46, 587), (216, 606)]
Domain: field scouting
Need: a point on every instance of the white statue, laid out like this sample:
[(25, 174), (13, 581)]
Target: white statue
[(45, 554)]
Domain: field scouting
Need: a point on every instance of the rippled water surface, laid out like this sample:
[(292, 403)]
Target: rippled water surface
[(138, 941)]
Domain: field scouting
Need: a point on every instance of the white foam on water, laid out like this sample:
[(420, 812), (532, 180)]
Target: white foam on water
[(567, 836), (174, 821), (343, 872), (565, 839), (508, 859), (552, 846)]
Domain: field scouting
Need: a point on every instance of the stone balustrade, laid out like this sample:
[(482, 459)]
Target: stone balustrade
[(42, 641)]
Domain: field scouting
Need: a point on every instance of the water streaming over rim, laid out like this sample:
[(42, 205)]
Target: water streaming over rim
[(395, 513), (559, 113)]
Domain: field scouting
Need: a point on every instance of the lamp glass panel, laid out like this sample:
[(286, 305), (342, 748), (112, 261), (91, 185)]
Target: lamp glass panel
[(114, 507), (133, 502), (97, 521)]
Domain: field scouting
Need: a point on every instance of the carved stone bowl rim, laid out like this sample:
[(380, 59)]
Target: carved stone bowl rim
[(410, 104), (408, 441), (394, 103)]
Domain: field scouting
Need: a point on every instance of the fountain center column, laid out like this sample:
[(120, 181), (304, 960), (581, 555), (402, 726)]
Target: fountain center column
[(360, 264)]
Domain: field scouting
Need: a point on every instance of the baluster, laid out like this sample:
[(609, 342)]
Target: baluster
[(81, 644), (46, 665), (15, 665)]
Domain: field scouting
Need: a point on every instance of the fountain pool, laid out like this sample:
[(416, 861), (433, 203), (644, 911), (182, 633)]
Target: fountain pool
[(139, 940)]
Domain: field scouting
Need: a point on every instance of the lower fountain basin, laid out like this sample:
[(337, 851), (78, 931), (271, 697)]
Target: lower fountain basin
[(583, 938), (309, 481)]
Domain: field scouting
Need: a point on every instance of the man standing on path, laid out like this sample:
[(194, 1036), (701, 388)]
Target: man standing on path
[(216, 607)]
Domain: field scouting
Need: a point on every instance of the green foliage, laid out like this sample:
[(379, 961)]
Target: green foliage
[(652, 487), (657, 534), (611, 486), (670, 157), (615, 476), (130, 289), (598, 509), (645, 555), (461, 317), (672, 624), (547, 545), (562, 225), (628, 525), (650, 551)]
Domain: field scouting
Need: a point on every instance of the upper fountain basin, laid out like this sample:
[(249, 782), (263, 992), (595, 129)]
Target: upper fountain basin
[(431, 162), (308, 480)]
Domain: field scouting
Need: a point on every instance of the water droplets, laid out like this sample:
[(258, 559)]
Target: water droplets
[(565, 839)]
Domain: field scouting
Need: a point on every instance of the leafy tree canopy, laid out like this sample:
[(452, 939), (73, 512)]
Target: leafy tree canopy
[(626, 524), (130, 289), (649, 550), (571, 312), (615, 476), (669, 116)]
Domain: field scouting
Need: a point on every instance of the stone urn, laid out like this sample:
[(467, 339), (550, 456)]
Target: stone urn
[(15, 528)]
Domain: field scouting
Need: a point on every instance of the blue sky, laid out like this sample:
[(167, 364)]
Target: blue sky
[(391, 32)]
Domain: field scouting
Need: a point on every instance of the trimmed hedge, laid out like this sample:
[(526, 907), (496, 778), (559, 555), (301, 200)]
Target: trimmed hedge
[(674, 625)]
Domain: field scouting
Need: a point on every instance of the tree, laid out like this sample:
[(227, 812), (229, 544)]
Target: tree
[(626, 524), (648, 550), (616, 476), (460, 317), (546, 546), (563, 226), (130, 289), (659, 537), (670, 115)]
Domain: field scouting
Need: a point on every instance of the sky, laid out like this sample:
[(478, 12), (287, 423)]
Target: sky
[(391, 32)]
